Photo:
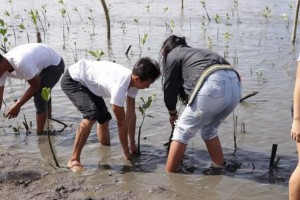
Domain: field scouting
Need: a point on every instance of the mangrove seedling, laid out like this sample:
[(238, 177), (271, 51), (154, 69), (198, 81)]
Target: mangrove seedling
[(46, 95), (34, 16), (267, 13), (3, 36), (97, 54), (143, 41), (204, 6), (142, 109), (217, 20)]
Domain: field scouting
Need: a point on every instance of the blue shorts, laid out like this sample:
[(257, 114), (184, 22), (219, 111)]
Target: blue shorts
[(216, 99)]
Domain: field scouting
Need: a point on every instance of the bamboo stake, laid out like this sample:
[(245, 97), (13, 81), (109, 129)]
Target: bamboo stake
[(295, 22)]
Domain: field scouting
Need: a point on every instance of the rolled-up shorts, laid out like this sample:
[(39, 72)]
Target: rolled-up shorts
[(49, 77), (92, 107), (216, 99)]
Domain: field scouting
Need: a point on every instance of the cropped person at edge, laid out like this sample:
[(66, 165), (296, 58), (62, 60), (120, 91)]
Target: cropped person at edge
[(40, 66), (86, 83), (211, 100), (294, 182)]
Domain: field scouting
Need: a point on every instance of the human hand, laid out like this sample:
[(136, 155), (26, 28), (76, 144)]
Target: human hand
[(13, 111), (173, 119), (295, 131)]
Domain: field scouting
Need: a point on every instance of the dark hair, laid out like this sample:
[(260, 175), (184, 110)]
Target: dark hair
[(146, 68), (170, 43), (1, 57)]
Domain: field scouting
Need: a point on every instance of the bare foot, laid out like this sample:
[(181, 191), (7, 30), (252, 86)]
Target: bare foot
[(75, 166)]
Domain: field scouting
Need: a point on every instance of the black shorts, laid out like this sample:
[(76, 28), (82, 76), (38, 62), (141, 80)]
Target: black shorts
[(90, 105), (49, 77)]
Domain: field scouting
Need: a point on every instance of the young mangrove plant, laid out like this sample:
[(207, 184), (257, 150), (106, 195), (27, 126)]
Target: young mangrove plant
[(34, 17), (3, 36), (46, 95), (203, 2), (97, 54), (227, 36), (217, 20), (91, 18), (77, 11), (142, 108), (22, 27), (143, 41), (267, 13)]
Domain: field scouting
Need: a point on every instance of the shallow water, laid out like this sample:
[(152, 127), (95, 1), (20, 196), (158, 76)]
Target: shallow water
[(261, 50)]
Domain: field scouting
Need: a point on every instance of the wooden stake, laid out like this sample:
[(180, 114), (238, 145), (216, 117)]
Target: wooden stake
[(295, 22)]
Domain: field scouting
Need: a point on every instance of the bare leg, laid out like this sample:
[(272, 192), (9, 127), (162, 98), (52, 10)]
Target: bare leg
[(294, 183), (103, 133), (41, 121), (176, 154), (82, 135), (215, 151)]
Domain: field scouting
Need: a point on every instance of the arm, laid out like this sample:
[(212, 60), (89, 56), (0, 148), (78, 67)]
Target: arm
[(122, 128), (34, 86), (131, 123), (295, 132)]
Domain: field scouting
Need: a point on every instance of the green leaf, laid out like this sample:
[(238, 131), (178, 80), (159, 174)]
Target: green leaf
[(46, 93), (141, 110)]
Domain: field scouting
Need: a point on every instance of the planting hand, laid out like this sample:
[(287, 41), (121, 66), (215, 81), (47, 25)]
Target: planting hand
[(13, 111), (173, 119)]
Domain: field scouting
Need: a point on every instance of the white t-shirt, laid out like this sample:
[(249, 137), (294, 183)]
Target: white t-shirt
[(28, 60), (105, 79)]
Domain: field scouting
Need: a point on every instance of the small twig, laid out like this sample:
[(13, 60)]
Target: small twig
[(248, 95), (128, 50)]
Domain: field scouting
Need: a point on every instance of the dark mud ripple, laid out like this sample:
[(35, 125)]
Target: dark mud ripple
[(20, 176)]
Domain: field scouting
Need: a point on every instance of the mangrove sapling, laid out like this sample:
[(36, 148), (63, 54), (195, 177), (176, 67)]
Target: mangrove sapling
[(97, 54), (236, 8), (46, 95), (91, 18), (65, 8), (3, 36), (77, 11), (267, 13), (142, 109), (217, 20), (12, 24), (144, 40), (34, 16), (203, 2), (22, 27), (227, 36)]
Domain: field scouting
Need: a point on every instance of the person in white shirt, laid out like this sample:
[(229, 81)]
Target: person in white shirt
[(294, 182), (86, 83), (40, 66)]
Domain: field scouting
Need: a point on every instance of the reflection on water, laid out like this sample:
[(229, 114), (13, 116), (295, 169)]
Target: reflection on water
[(261, 51)]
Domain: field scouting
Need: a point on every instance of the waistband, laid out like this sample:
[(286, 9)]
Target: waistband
[(208, 71)]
